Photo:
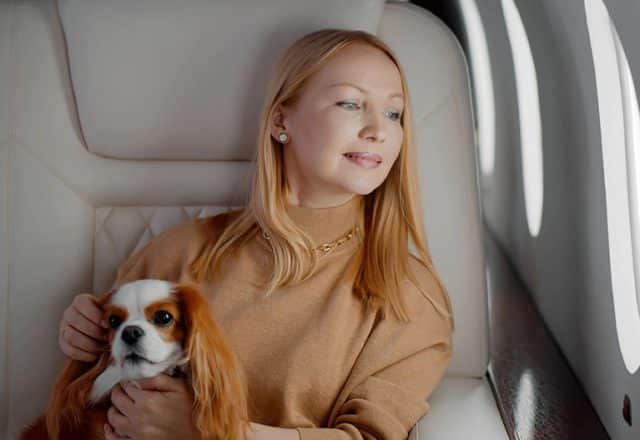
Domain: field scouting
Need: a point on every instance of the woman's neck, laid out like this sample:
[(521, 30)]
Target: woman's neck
[(328, 223), (294, 198)]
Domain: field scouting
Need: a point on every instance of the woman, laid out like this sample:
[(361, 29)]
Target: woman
[(341, 332)]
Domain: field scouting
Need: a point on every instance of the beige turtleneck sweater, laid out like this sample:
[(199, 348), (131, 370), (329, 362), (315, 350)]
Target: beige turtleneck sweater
[(314, 360)]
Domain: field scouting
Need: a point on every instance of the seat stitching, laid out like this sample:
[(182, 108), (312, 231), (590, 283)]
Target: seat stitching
[(433, 110)]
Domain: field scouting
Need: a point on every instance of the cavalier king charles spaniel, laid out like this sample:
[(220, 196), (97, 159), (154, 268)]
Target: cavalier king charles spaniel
[(155, 327)]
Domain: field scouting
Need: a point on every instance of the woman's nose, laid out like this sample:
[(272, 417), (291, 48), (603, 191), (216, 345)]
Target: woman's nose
[(373, 129)]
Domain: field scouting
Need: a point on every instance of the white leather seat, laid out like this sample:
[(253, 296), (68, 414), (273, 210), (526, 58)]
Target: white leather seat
[(121, 119)]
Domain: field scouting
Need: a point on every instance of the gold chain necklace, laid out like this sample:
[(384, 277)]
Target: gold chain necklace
[(328, 247)]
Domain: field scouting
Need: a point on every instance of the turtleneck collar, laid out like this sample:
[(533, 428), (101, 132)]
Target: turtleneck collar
[(327, 224)]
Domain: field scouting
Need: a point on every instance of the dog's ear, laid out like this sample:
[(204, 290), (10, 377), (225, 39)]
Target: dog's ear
[(217, 377), (67, 403), (106, 297)]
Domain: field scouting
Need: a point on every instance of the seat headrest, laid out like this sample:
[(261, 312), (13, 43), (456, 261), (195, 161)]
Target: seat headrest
[(157, 79)]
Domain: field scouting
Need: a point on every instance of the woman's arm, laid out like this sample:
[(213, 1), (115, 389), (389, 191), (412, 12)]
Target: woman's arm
[(264, 432)]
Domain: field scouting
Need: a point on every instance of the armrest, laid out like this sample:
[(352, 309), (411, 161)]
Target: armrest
[(537, 392)]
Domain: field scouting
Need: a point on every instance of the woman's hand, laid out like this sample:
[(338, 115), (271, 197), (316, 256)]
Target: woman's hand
[(81, 335), (160, 409)]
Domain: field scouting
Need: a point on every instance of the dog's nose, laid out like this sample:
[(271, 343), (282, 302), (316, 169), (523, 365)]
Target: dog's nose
[(131, 334)]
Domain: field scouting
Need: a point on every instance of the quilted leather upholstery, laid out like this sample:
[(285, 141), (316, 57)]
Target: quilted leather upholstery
[(122, 231)]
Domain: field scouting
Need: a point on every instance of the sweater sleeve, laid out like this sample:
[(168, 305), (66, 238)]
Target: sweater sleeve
[(397, 370)]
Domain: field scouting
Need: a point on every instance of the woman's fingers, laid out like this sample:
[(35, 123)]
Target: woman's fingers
[(110, 434), (79, 322), (118, 421), (85, 304), (80, 334), (81, 341), (121, 400), (73, 352)]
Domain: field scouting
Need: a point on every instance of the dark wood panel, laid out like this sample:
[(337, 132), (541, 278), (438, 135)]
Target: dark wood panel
[(538, 394)]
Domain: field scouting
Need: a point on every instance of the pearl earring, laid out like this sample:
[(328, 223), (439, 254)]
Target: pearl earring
[(284, 138)]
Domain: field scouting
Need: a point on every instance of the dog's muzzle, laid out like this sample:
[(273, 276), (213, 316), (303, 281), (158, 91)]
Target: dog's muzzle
[(131, 334)]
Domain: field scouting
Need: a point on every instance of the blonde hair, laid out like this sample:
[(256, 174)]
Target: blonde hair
[(392, 212)]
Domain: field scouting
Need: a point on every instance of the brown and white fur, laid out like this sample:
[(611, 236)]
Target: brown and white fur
[(155, 327)]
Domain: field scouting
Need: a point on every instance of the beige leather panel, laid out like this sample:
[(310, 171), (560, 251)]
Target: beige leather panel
[(438, 82), (164, 58)]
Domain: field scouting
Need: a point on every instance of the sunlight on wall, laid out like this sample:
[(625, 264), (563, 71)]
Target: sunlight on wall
[(631, 112), (529, 109), (482, 85), (618, 131)]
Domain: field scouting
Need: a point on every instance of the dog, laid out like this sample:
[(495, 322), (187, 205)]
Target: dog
[(155, 327)]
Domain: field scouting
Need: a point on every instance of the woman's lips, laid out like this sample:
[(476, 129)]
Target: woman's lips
[(364, 159)]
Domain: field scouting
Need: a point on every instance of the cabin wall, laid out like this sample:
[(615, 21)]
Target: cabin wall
[(626, 16), (566, 267)]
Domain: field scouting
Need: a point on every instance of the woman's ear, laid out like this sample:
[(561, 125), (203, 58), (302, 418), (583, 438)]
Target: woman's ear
[(279, 123), (217, 377)]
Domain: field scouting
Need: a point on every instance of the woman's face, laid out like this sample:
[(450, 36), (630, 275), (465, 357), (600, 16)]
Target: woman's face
[(345, 131)]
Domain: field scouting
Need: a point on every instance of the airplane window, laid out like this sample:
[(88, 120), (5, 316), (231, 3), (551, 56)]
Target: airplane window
[(631, 113), (482, 85), (619, 121), (529, 112)]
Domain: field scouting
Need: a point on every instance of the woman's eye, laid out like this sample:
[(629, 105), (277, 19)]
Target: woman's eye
[(162, 318), (393, 115), (349, 105), (114, 321)]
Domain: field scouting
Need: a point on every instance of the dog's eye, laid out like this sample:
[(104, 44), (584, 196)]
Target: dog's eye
[(162, 318), (114, 321)]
